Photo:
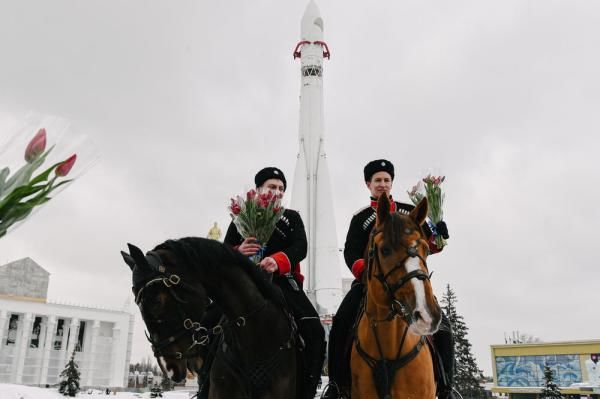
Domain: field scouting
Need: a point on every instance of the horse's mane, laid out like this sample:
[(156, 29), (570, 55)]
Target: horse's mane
[(214, 255)]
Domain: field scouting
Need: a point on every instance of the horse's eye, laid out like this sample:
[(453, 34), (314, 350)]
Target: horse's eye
[(408, 230), (386, 251)]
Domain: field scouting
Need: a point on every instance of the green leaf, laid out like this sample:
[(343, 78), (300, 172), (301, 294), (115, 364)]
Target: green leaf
[(17, 195), (45, 174)]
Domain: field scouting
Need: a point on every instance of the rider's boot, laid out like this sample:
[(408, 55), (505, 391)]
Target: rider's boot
[(444, 345), (314, 353), (331, 391), (338, 355)]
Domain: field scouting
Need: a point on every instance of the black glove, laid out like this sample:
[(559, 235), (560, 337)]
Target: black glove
[(442, 230)]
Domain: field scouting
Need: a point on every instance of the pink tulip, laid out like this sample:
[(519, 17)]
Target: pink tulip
[(235, 209), (64, 168), (251, 194), (36, 146)]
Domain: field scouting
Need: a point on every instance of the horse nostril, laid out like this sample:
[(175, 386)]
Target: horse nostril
[(417, 315)]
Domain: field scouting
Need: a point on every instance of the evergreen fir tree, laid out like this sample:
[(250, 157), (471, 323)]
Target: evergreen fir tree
[(550, 390), (69, 384), (156, 392), (467, 374), (166, 383)]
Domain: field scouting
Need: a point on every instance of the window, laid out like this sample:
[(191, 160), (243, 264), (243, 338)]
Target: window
[(311, 70), (81, 335), (35, 333), (13, 326), (58, 334)]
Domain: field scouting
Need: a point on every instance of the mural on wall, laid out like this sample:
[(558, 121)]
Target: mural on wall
[(528, 371)]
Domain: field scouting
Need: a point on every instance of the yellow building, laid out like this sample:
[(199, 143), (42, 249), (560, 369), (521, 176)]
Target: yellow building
[(519, 369)]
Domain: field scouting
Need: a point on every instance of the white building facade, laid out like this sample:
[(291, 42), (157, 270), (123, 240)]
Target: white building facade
[(38, 337)]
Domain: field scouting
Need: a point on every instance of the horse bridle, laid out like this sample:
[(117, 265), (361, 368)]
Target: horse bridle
[(200, 334), (397, 308)]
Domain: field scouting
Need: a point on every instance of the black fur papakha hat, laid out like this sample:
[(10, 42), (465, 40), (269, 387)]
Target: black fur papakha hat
[(267, 173), (378, 165)]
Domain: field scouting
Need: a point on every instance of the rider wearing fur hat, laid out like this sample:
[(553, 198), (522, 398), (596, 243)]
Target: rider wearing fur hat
[(379, 177), (284, 251)]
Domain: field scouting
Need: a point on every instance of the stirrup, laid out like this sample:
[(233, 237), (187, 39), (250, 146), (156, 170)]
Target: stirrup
[(450, 393), (332, 391)]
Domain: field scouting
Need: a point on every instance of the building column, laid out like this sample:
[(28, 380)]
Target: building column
[(3, 320), (73, 336), (48, 346), (92, 351), (129, 348), (115, 382), (23, 346)]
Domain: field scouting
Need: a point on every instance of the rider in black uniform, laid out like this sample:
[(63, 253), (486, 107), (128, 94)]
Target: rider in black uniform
[(379, 176), (284, 251)]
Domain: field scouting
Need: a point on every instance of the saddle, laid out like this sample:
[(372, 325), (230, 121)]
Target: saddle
[(256, 376)]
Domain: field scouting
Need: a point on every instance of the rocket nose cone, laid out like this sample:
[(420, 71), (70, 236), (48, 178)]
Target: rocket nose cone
[(312, 23)]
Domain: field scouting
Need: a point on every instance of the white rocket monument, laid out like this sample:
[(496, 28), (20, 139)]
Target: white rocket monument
[(311, 194)]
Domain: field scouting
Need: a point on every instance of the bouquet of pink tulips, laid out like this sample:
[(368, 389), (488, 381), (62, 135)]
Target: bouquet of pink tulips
[(256, 216), (21, 192), (435, 198)]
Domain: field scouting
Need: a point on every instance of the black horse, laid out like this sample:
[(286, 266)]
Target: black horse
[(256, 356)]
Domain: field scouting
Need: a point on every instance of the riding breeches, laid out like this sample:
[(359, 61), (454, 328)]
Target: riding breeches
[(338, 353), (443, 340), (311, 331)]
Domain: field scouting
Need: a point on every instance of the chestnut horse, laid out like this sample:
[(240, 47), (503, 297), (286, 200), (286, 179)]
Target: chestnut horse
[(256, 354), (390, 358)]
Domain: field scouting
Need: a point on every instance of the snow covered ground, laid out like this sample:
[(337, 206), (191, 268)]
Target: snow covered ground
[(11, 391)]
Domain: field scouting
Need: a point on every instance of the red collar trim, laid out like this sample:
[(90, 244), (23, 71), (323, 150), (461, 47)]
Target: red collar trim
[(392, 204)]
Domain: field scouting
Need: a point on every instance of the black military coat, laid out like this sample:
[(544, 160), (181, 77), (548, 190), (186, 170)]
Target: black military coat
[(360, 228), (287, 246)]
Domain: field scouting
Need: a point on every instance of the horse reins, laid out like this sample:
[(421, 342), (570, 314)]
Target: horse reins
[(200, 334)]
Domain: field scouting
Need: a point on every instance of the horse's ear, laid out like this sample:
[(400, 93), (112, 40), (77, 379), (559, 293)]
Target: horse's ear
[(138, 256), (383, 209), (419, 214), (128, 259)]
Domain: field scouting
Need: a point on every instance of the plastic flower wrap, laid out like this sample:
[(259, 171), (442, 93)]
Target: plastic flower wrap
[(26, 188), (255, 215), (429, 187)]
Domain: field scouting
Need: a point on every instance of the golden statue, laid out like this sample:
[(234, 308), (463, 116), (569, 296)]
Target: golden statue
[(214, 233)]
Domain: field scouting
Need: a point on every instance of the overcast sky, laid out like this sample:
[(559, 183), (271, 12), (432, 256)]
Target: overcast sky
[(186, 100)]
